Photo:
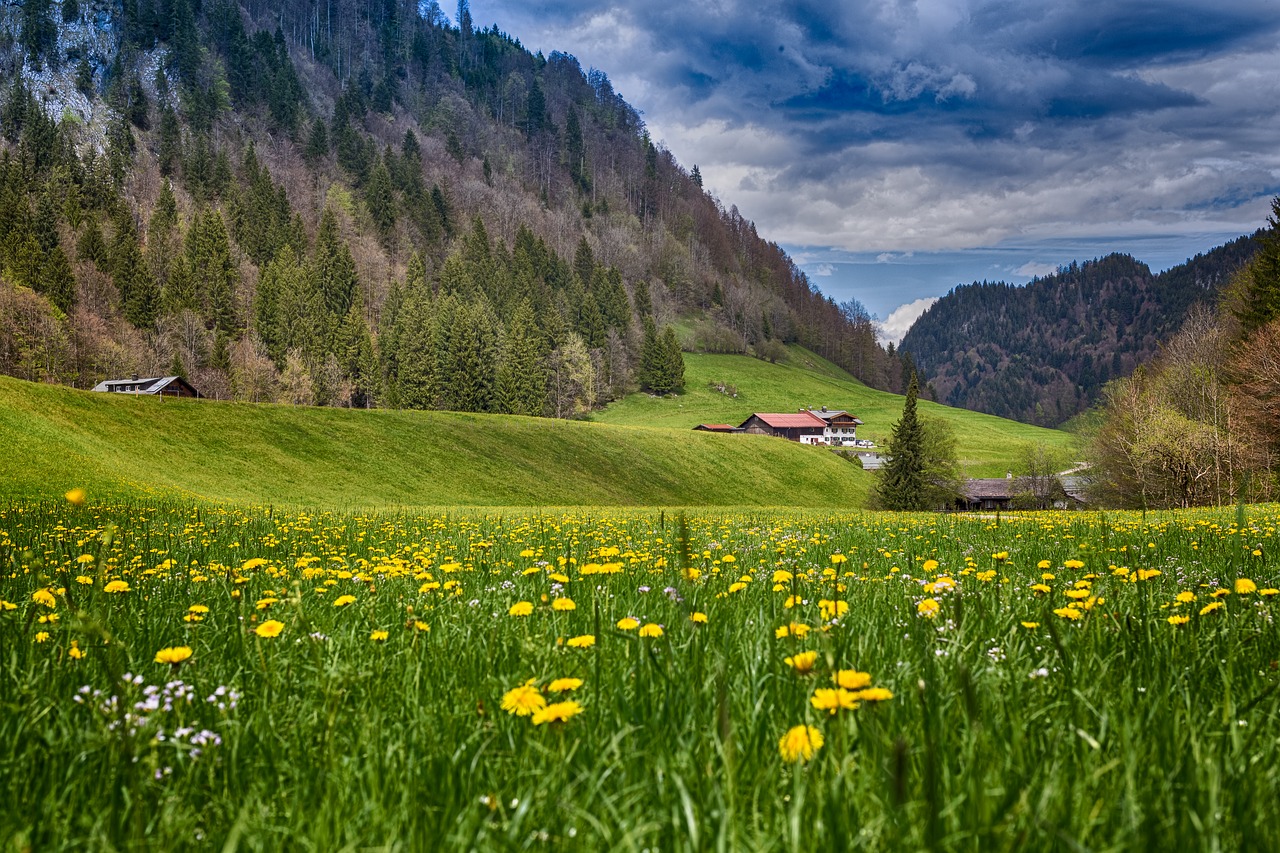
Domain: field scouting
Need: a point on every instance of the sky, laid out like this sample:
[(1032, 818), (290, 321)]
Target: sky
[(896, 148)]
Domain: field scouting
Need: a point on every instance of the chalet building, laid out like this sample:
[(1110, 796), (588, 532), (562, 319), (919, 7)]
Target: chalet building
[(716, 428), (160, 386), (841, 429), (1000, 493), (804, 426)]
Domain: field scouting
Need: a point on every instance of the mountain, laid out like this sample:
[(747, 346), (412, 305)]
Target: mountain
[(362, 204), (1041, 353)]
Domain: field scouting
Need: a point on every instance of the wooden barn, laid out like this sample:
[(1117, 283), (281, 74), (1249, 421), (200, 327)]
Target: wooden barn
[(159, 386)]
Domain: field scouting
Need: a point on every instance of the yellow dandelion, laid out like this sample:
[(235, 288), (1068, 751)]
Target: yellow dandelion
[(85, 558), (832, 609), (1244, 586), (800, 743), (585, 641), (851, 679), (832, 699), (44, 597), (563, 604), (650, 630), (520, 608), (173, 655), (41, 636), (76, 497), (874, 694), (928, 608), (1178, 620), (270, 628), (556, 712), (1072, 564), (1210, 607), (1068, 613), (116, 587), (803, 663), (75, 652), (84, 580), (628, 624), (564, 685), (1186, 597), (930, 565), (699, 617), (523, 700), (344, 600), (1030, 626), (379, 636)]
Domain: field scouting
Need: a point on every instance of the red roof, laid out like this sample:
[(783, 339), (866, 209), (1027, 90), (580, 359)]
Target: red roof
[(789, 420)]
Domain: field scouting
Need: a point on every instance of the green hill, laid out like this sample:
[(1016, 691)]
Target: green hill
[(53, 439), (988, 445)]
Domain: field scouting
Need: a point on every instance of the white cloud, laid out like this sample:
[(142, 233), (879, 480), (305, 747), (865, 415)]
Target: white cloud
[(823, 270), (895, 326), (1033, 269)]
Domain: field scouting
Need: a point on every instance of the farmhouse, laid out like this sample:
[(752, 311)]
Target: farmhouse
[(803, 426), (841, 429), (715, 428), (1014, 493), (161, 386)]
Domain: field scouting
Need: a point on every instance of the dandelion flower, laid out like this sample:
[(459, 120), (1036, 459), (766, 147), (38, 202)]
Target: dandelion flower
[(874, 694), (42, 636), (75, 652), (564, 685), (1186, 597), (1068, 613), (173, 655), (699, 617), (43, 596), (800, 743), (851, 679), (832, 699), (803, 663), (344, 600), (523, 700), (117, 586), (928, 608), (563, 604), (270, 628), (1074, 564), (832, 609), (585, 641), (1175, 621), (1244, 586), (76, 497), (628, 624), (520, 608), (84, 580), (651, 630), (1210, 607), (556, 712), (419, 625), (378, 636), (1030, 626), (930, 565)]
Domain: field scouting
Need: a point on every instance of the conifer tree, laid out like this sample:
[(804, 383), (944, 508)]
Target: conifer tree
[(673, 359), (522, 372), (381, 200), (1259, 299), (902, 484), (56, 280), (332, 268)]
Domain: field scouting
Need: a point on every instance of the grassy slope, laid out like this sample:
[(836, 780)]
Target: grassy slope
[(53, 439), (988, 445)]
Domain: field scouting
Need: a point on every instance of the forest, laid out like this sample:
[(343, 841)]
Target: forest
[(1043, 353), (364, 204)]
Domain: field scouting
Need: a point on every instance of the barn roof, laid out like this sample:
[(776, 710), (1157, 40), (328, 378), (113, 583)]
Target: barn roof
[(789, 420)]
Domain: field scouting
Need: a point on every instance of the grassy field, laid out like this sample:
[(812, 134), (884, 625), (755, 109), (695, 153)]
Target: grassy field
[(221, 677), (988, 446), (53, 439)]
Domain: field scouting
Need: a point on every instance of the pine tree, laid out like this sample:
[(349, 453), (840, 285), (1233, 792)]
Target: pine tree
[(381, 200), (902, 484), (1259, 301), (56, 280), (332, 268), (522, 372), (652, 374), (673, 360)]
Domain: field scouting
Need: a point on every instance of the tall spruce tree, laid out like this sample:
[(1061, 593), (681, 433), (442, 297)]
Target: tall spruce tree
[(902, 484), (1259, 298)]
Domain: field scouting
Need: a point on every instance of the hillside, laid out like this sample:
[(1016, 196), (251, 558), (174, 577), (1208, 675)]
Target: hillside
[(987, 445), (384, 209), (1043, 352), (53, 439)]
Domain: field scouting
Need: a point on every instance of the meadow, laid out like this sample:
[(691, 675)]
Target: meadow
[(180, 675)]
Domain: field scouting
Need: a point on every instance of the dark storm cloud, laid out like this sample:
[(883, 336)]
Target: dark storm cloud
[(947, 123)]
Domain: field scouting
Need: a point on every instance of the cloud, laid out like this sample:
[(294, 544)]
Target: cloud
[(823, 270), (895, 326), (1034, 269), (947, 124)]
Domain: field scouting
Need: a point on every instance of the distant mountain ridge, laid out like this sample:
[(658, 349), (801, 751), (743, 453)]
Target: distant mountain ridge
[(1041, 353)]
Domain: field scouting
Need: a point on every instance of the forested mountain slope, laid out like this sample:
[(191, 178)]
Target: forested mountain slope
[(1042, 353), (362, 204)]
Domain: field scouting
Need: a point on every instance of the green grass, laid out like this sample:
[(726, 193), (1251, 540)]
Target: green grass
[(53, 439), (988, 446), (1019, 718)]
